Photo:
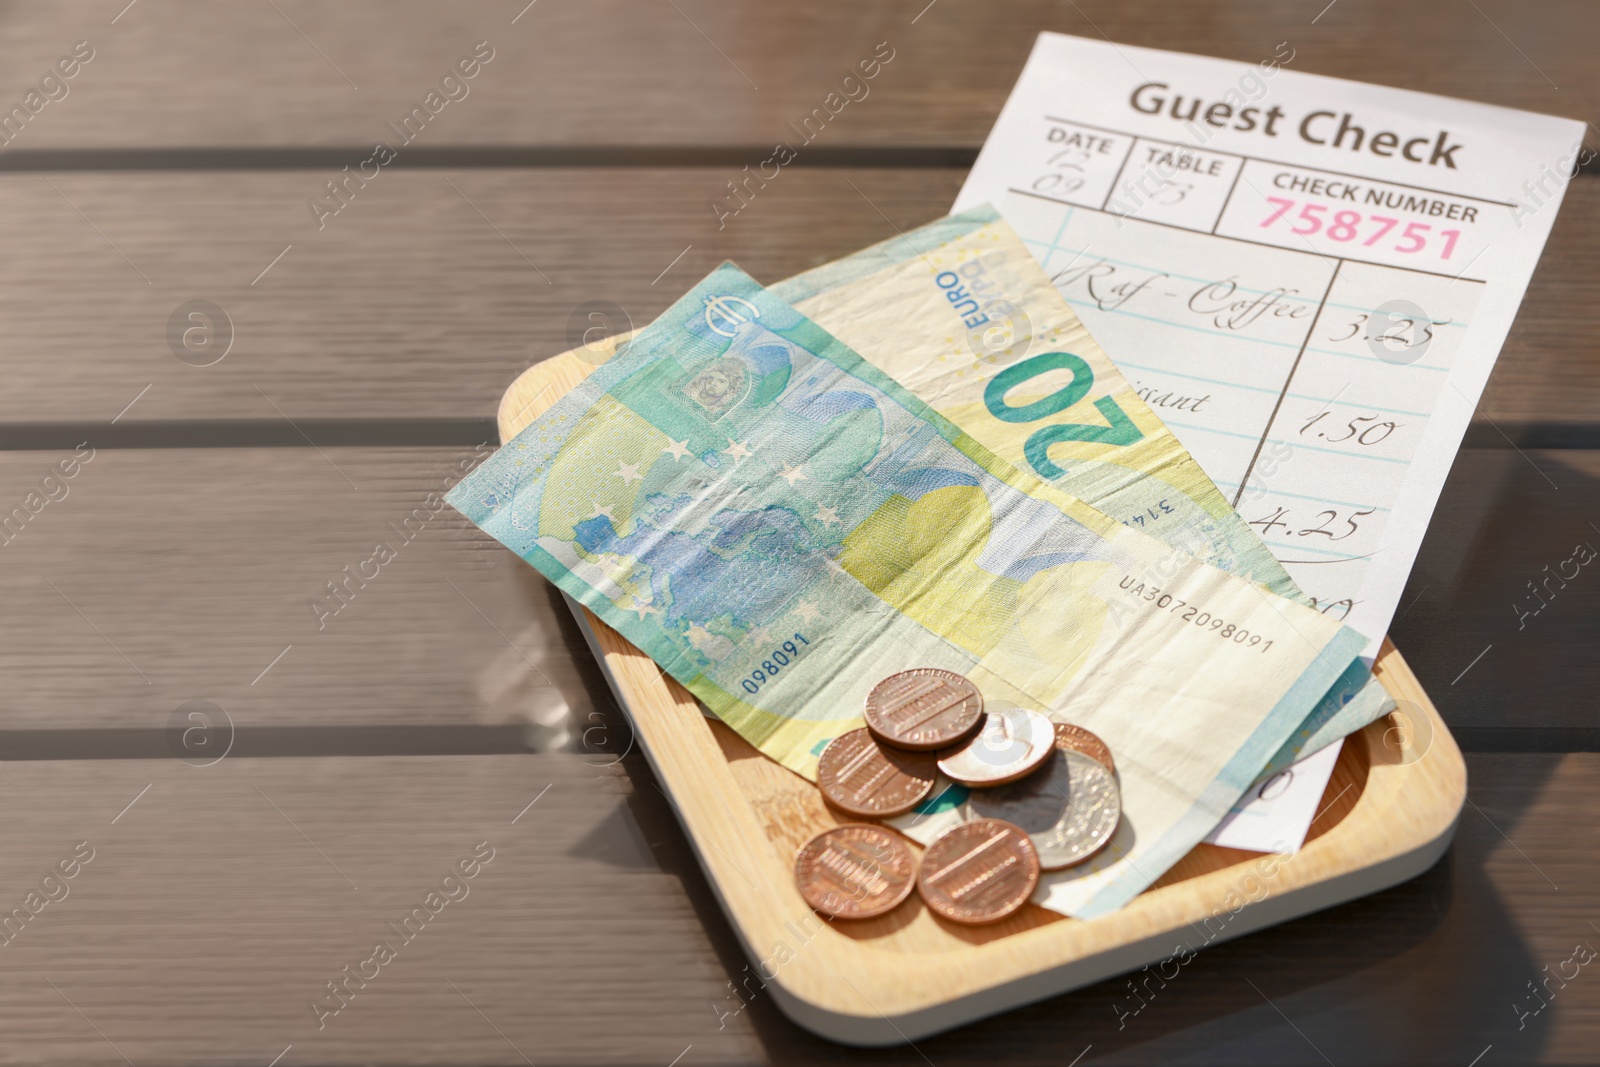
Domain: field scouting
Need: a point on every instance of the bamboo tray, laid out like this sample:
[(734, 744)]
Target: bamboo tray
[(1388, 814)]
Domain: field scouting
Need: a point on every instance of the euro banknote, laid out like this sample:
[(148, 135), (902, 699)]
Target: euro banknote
[(780, 525), (960, 312)]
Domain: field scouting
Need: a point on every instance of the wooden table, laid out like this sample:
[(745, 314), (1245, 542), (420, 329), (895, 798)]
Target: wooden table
[(366, 752)]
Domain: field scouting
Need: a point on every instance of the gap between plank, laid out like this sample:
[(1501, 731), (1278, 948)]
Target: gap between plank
[(509, 739), (198, 158), (908, 157), (463, 431)]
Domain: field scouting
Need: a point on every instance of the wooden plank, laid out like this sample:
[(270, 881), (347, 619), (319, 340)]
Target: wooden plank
[(201, 566), (581, 943), (424, 297), (1495, 652), (239, 891), (586, 74), (1539, 372), (483, 273), (172, 575)]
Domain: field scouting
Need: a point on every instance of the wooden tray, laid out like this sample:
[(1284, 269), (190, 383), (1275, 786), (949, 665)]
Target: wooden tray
[(1388, 814)]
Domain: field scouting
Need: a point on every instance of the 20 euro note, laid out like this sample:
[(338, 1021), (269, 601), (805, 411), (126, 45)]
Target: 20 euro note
[(779, 525), (1016, 369)]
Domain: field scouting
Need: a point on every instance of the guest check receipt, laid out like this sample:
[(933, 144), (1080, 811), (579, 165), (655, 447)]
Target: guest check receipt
[(1308, 279)]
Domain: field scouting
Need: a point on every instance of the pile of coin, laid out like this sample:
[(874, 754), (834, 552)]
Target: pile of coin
[(1045, 794)]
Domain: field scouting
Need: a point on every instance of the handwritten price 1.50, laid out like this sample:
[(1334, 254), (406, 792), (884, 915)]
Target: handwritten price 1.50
[(1375, 432), (1348, 225)]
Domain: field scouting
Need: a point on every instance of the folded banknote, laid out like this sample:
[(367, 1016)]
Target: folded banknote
[(780, 525)]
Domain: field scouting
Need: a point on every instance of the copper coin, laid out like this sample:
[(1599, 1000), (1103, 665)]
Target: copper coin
[(923, 709), (1071, 738), (1069, 808), (862, 777), (979, 872), (1012, 744), (855, 871)]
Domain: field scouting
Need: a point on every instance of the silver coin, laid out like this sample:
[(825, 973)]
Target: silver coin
[(1012, 743), (1069, 808)]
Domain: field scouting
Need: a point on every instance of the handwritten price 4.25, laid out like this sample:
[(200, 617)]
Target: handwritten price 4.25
[(1349, 225)]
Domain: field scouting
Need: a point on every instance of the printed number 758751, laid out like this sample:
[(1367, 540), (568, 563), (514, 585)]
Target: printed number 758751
[(1348, 225)]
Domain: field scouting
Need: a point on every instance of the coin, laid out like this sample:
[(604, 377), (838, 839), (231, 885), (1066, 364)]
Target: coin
[(862, 777), (855, 871), (1012, 743), (1077, 739), (1069, 809), (979, 872), (923, 709)]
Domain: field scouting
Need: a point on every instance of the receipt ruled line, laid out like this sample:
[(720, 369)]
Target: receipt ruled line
[(1278, 404)]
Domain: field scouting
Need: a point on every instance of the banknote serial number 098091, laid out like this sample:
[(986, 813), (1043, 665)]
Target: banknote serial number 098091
[(1192, 613), (774, 663)]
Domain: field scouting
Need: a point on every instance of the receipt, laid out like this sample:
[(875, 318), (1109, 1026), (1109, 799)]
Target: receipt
[(1308, 279)]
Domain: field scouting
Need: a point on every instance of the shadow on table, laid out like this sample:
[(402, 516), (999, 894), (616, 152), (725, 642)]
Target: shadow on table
[(1488, 583)]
